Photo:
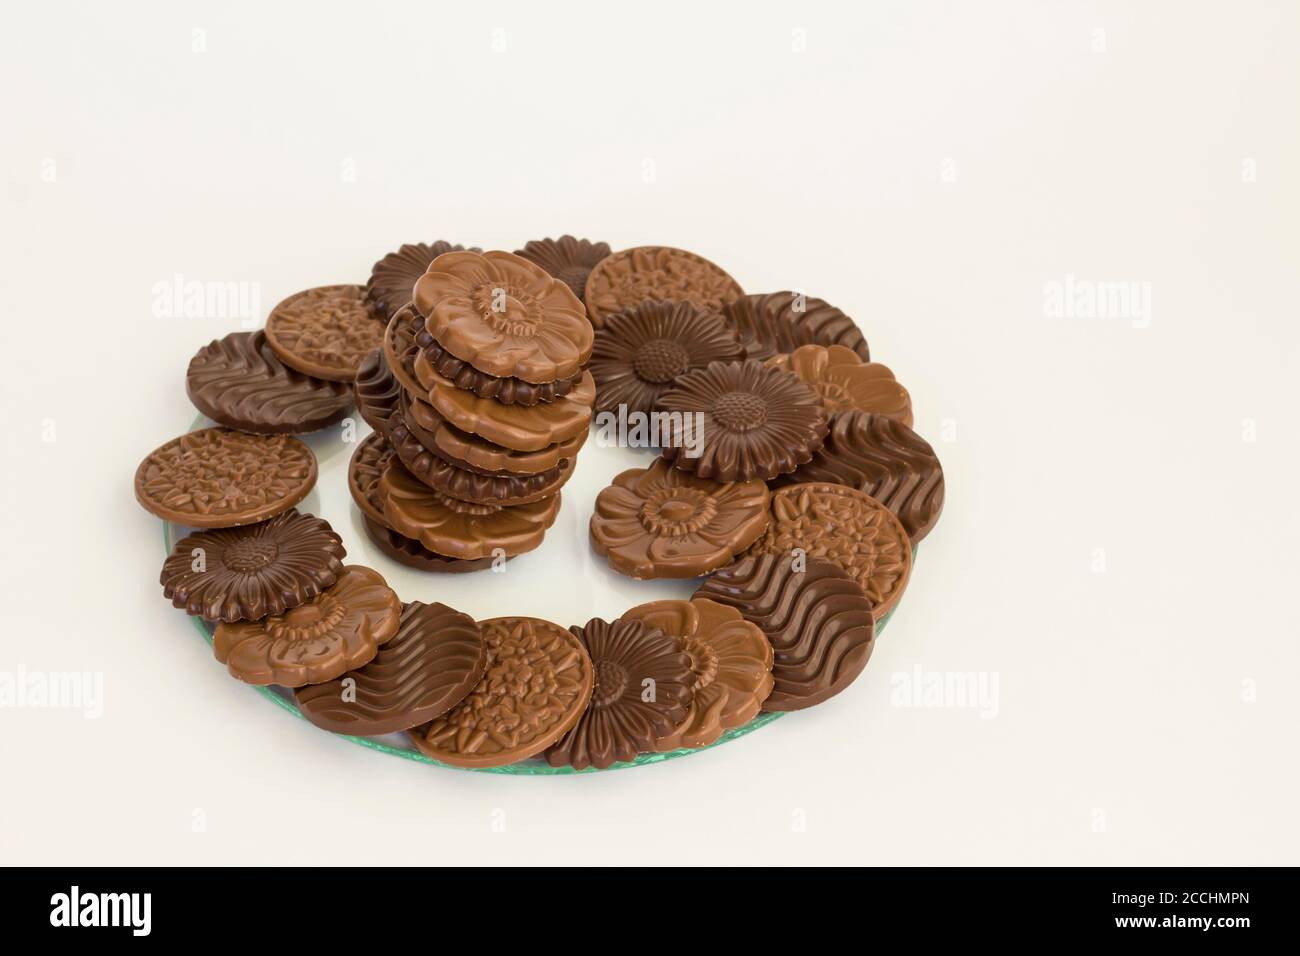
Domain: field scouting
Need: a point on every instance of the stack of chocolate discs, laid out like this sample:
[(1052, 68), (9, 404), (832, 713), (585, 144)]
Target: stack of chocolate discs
[(480, 401)]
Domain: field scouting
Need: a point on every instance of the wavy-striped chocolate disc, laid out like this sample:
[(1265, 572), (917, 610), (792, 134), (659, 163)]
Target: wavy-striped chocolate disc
[(436, 659)]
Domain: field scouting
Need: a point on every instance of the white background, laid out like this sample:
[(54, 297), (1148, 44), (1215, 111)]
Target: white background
[(1115, 547)]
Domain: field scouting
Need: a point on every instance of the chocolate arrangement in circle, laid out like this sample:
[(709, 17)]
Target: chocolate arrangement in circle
[(789, 482)]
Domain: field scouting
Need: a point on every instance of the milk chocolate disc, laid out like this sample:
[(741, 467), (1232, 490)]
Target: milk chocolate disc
[(376, 390), (463, 485), (731, 667), (246, 573), (641, 692), (568, 259), (746, 421), (460, 529), (507, 391), (816, 616), (777, 322), (240, 382), (844, 382), (884, 458), (642, 350), (411, 553), (431, 664), (518, 427), (392, 278), (219, 478), (476, 452), (656, 272), (336, 631), (845, 526), (537, 683), (504, 315), (325, 332), (660, 522)]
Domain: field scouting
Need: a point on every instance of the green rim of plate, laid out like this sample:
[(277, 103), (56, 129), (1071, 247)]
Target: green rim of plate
[(532, 768)]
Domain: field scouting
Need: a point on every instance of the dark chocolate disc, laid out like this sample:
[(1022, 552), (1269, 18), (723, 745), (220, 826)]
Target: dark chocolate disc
[(250, 572), (639, 352), (568, 259), (741, 420), (239, 381), (376, 390), (779, 322), (642, 690), (816, 616), (433, 662), (393, 277)]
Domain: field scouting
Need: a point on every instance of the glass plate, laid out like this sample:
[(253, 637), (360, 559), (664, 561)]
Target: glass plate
[(399, 745)]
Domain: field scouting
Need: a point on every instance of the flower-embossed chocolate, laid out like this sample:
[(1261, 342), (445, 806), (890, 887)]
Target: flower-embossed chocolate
[(240, 382), (844, 382), (392, 278), (246, 573), (460, 529), (537, 683), (504, 315), (641, 692), (336, 631), (507, 390), (476, 451), (816, 616), (845, 526), (884, 458), (434, 660), (731, 666), (656, 272), (518, 427), (746, 420), (325, 332), (376, 390), (640, 351), (777, 322), (660, 522), (219, 478), (464, 485), (568, 259)]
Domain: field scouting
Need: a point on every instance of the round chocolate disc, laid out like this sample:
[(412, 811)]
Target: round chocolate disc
[(537, 683), (815, 615), (376, 390), (411, 553), (743, 421), (325, 332), (631, 276), (220, 478), (779, 322), (246, 573), (641, 693), (239, 381), (433, 662)]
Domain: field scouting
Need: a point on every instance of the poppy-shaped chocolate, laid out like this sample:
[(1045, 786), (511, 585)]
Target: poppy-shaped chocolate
[(656, 272), (392, 278), (661, 522), (884, 458), (731, 666), (641, 351), (845, 526), (460, 529), (743, 421), (325, 332), (376, 390), (504, 315), (538, 682), (568, 259), (220, 478), (244, 574), (336, 631), (845, 382), (479, 453), (816, 617), (434, 660), (411, 553), (777, 322), (466, 485), (641, 692)]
